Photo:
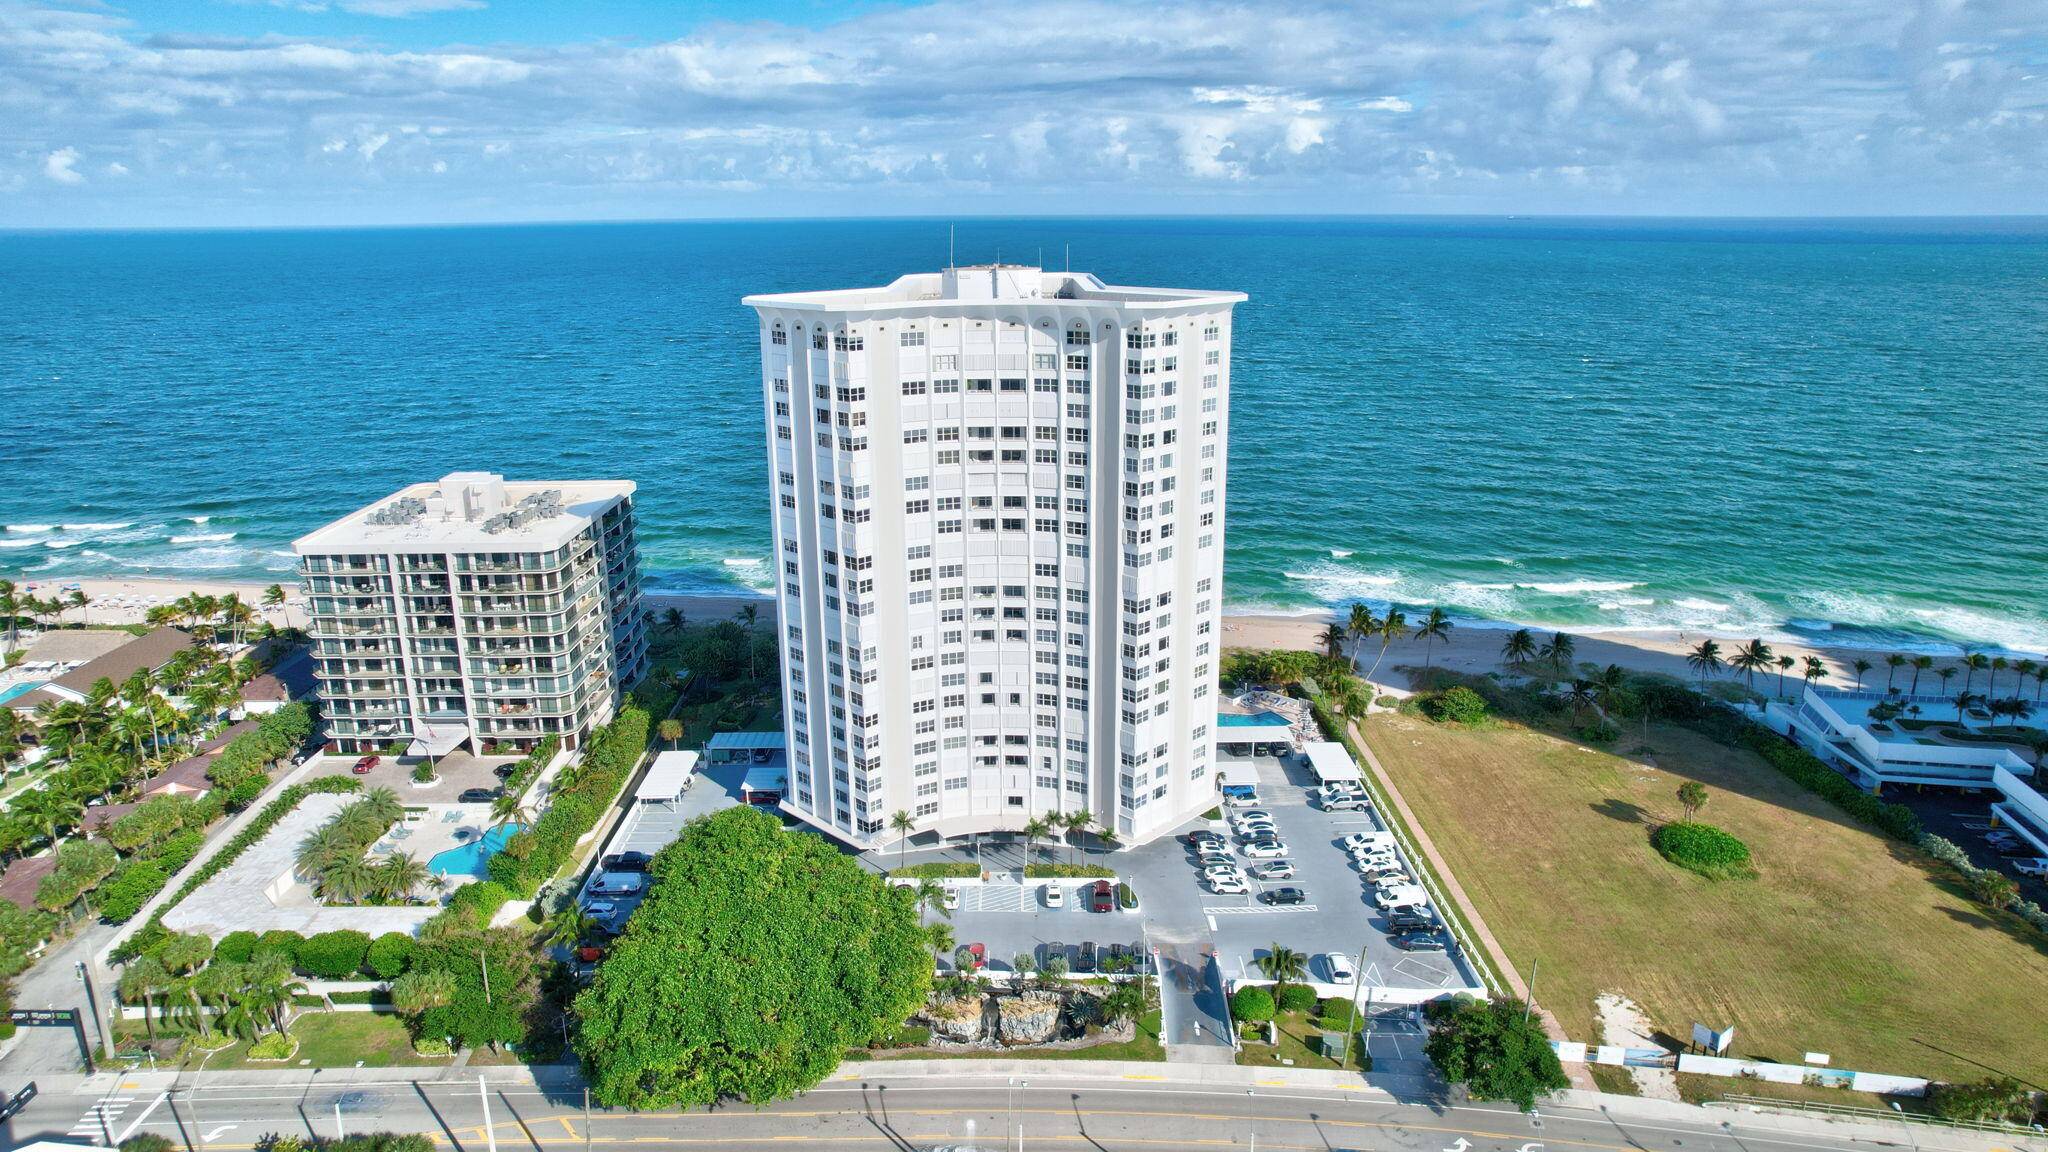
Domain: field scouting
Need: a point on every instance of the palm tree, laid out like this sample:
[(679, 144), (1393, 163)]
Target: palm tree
[(939, 935), (1105, 834), (931, 894), (1860, 666), (1558, 651), (1608, 685), (747, 615), (2021, 670), (1519, 649), (511, 809), (10, 607), (348, 881), (1892, 664), (1750, 659), (569, 926), (417, 993), (1394, 623), (1784, 664), (2040, 682), (1973, 664), (1332, 639), (1920, 664), (46, 810), (901, 823), (1705, 659), (1815, 670), (1962, 701), (1361, 623), (670, 731), (1998, 664), (268, 996), (1580, 696), (1434, 627), (1947, 672), (78, 599), (1034, 829), (672, 620), (1281, 963), (144, 978), (1075, 821), (399, 876), (273, 596)]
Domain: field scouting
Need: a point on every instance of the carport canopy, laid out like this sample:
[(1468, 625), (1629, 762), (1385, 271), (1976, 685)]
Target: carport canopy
[(1328, 760), (666, 777), (1242, 772), (743, 741), (763, 779)]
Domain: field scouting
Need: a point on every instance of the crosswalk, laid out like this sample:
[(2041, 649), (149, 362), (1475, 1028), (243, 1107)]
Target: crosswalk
[(1259, 909), (103, 1120)]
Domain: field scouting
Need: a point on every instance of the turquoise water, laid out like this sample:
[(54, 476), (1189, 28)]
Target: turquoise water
[(468, 859), (1255, 720), (22, 689), (1809, 428)]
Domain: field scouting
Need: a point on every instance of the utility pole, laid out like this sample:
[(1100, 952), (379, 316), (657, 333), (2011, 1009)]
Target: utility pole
[(1535, 969), (1357, 976), (92, 998), (490, 1133), (586, 1120)]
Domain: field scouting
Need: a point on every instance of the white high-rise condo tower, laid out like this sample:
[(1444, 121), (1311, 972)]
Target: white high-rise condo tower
[(475, 610), (998, 499)]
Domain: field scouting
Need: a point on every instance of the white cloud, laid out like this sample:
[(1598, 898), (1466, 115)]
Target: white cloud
[(62, 166), (1518, 105), (117, 169)]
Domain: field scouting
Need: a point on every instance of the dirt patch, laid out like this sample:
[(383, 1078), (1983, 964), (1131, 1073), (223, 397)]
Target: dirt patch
[(1623, 1023)]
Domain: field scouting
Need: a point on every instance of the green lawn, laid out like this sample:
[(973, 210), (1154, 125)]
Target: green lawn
[(1300, 1044), (1845, 942), (326, 1040)]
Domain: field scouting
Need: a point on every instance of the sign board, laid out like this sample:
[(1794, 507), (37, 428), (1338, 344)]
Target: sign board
[(19, 1100), (43, 1017), (1817, 1058), (1712, 1041)]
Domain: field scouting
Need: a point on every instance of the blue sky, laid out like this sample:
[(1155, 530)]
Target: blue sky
[(287, 112)]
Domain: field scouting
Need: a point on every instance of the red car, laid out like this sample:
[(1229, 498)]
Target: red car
[(365, 764), (1101, 897)]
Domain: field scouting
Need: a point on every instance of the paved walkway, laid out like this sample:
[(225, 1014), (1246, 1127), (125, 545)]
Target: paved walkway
[(1481, 935)]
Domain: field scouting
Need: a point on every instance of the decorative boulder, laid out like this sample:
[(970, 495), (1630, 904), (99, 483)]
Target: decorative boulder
[(956, 1020), (1030, 1018)]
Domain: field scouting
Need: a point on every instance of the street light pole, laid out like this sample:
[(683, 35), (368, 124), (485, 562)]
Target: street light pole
[(92, 998), (1535, 970), (1357, 977), (490, 1133)]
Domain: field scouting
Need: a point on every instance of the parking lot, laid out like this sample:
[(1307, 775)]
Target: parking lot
[(1011, 917), (457, 772), (1964, 818), (648, 827)]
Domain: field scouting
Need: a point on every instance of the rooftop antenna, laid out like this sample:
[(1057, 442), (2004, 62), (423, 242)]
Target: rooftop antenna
[(949, 245), (1070, 255)]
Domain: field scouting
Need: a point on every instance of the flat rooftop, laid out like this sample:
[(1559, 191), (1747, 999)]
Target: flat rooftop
[(470, 512), (979, 284)]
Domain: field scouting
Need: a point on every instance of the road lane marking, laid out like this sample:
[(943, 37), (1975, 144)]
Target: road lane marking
[(126, 1132)]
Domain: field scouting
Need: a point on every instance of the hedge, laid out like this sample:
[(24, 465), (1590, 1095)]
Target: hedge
[(388, 955), (609, 758), (477, 902), (236, 947), (1068, 871), (283, 941), (255, 830), (131, 886), (248, 757), (335, 955), (530, 766), (1456, 705), (937, 870), (1252, 1003), (1296, 998)]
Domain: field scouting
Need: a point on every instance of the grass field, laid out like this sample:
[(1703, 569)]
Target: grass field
[(1844, 942), (326, 1040)]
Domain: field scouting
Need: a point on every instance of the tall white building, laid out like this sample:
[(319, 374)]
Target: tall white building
[(998, 499), (475, 610)]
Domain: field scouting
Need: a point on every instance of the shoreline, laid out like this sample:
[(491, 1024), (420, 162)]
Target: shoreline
[(1472, 647)]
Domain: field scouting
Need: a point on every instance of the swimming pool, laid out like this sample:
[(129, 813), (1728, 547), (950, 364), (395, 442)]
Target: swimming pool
[(1255, 720), (21, 689), (468, 859)]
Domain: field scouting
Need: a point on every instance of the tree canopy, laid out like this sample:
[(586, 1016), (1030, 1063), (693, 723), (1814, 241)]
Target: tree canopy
[(1490, 1048), (758, 957)]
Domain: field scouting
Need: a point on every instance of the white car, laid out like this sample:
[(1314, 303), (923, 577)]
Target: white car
[(2038, 866), (1390, 880), (1274, 870), (1357, 840), (1339, 967), (602, 909), (1372, 861), (1055, 896), (1266, 850), (1252, 832), (950, 897), (1228, 886), (1249, 815), (1400, 896)]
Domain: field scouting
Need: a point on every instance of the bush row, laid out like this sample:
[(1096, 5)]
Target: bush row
[(937, 870), (337, 955), (588, 789), (254, 831), (1069, 871), (1894, 820), (1953, 856), (248, 757)]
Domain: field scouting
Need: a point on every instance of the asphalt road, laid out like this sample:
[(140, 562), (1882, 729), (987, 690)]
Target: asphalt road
[(908, 1114)]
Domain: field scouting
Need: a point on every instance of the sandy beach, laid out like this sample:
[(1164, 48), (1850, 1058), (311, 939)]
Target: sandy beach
[(125, 601)]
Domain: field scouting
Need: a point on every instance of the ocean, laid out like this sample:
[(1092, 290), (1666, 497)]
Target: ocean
[(1821, 429)]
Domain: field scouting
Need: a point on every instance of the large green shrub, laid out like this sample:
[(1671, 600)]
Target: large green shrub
[(1295, 998), (1493, 1049), (1252, 1003), (1456, 705), (584, 791), (475, 904), (333, 955), (282, 941), (1996, 1100), (1704, 849), (131, 886), (757, 959), (388, 955), (81, 865)]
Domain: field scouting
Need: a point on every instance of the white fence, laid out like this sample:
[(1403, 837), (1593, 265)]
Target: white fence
[(1804, 1074)]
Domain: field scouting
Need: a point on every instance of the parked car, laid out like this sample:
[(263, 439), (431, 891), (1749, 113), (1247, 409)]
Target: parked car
[(950, 897), (1374, 870), (1419, 942), (590, 953), (1345, 804), (1410, 918), (1257, 830), (617, 883), (1368, 861), (977, 956), (505, 771), (627, 862), (479, 795), (1246, 816), (1084, 959), (1358, 840), (600, 909), (1290, 895), (2037, 866), (1213, 854), (1390, 879), (1054, 895), (1053, 948), (1222, 871), (1228, 885), (1113, 960), (1392, 896), (1204, 836), (1338, 965), (1101, 896), (1274, 870), (366, 763), (1265, 849)]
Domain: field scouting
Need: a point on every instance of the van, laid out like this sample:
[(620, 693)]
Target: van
[(618, 883)]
